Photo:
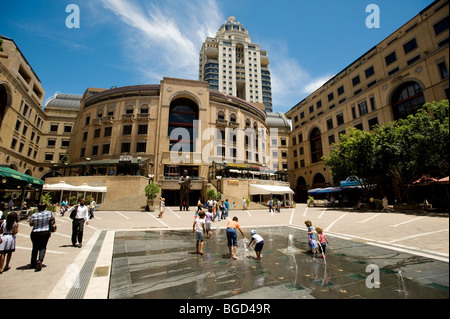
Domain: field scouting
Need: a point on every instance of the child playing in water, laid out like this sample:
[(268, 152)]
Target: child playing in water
[(232, 236), (322, 239), (208, 222), (312, 243), (199, 229), (259, 243)]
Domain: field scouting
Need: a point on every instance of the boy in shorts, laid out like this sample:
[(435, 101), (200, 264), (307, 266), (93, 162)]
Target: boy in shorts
[(199, 229), (259, 243)]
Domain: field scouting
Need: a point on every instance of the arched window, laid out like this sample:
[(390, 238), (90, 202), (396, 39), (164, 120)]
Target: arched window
[(407, 99), (221, 115), (315, 139), (144, 109), (5, 100), (183, 113), (318, 180), (129, 109), (233, 118)]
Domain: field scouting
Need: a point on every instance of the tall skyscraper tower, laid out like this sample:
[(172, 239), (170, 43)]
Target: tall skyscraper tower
[(231, 63)]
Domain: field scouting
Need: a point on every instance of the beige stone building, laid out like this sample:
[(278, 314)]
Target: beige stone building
[(158, 131), (390, 81), (29, 135)]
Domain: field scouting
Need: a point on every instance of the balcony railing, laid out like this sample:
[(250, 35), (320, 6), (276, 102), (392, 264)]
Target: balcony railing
[(128, 117)]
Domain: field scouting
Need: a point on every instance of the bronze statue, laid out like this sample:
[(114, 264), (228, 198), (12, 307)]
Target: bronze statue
[(185, 189)]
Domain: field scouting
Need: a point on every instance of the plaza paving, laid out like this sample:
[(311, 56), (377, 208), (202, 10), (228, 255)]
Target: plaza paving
[(130, 254)]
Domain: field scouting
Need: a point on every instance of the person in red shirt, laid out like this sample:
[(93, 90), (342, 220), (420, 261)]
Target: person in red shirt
[(232, 236)]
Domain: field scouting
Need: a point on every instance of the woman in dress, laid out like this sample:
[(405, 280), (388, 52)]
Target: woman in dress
[(8, 231)]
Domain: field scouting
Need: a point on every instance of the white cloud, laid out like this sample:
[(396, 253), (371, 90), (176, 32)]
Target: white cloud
[(165, 37)]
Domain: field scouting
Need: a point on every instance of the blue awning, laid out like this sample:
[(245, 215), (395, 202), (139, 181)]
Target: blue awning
[(326, 190)]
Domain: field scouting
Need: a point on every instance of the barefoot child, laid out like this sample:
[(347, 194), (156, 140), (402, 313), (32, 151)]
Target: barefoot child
[(199, 229), (312, 243), (322, 239), (208, 222), (232, 236), (259, 243)]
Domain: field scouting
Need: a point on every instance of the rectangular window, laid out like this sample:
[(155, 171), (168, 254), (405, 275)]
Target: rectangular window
[(142, 129), (51, 142), (441, 26), (331, 139), (87, 120), (363, 108), (330, 97), (300, 138), (369, 72), (85, 136), (359, 127), (443, 70), (108, 131), (393, 71), (410, 46), (82, 152), (49, 156), (311, 109), (18, 124), (329, 124), (127, 129), (141, 147), (340, 119), (301, 150), (356, 80), (65, 143), (319, 104), (21, 146), (125, 148), (54, 128), (391, 58), (283, 142), (13, 143), (295, 153), (94, 150), (373, 122), (354, 112), (67, 129), (373, 105), (411, 61), (105, 149), (340, 90)]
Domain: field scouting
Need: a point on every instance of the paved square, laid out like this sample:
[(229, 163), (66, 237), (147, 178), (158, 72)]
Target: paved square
[(164, 265)]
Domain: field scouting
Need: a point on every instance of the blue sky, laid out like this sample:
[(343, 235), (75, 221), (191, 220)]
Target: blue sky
[(130, 42)]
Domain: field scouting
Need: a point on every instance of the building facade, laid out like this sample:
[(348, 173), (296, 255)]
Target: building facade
[(390, 81), (32, 140), (232, 64), (158, 131)]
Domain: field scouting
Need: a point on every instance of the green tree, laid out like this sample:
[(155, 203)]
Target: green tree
[(404, 149), (355, 155)]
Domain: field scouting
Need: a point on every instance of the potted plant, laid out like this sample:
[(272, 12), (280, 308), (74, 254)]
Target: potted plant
[(310, 201), (151, 191)]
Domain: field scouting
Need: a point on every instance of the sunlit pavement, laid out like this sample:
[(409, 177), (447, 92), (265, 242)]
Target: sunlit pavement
[(415, 237)]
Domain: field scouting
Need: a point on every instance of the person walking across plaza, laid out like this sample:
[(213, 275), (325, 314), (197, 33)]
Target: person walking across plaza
[(199, 229), (8, 230), (258, 241), (271, 205), (40, 235), (227, 207), (79, 217), (92, 208), (232, 236)]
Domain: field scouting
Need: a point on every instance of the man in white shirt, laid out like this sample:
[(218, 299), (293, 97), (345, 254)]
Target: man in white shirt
[(81, 216)]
